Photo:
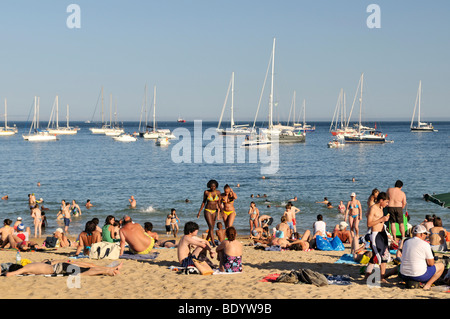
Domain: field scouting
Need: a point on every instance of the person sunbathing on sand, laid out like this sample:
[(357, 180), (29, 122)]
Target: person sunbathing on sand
[(138, 240), (65, 267), (190, 240)]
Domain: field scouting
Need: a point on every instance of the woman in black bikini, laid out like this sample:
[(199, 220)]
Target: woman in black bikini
[(211, 204)]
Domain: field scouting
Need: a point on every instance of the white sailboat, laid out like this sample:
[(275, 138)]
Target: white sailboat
[(339, 123), (303, 127), (155, 133), (233, 129), (421, 126), (283, 135), (100, 130), (53, 124), (6, 130), (363, 134), (35, 134), (113, 130)]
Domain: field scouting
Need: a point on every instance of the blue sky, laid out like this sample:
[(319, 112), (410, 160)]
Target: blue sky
[(189, 49)]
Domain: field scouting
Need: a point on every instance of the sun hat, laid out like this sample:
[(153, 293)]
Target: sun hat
[(59, 230), (420, 229)]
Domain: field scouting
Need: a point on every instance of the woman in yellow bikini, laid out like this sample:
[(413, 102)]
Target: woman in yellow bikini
[(229, 213), (211, 204)]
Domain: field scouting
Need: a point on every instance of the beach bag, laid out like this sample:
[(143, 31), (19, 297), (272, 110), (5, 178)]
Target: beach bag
[(312, 277), (50, 242), (104, 250), (323, 244), (337, 244), (203, 267)]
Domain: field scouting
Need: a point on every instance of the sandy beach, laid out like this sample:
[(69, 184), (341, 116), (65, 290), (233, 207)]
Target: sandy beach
[(154, 280)]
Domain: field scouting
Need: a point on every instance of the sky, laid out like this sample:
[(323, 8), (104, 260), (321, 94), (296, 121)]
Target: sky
[(188, 50)]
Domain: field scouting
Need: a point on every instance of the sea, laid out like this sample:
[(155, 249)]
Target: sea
[(89, 166)]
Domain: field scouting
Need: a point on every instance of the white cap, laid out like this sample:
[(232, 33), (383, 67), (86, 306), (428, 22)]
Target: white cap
[(353, 195), (19, 218), (342, 225), (420, 229)]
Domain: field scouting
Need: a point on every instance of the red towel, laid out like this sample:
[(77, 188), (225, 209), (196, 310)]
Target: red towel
[(270, 278)]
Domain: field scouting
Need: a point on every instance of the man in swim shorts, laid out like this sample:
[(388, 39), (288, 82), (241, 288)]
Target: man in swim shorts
[(397, 202), (190, 239), (378, 237), (135, 236)]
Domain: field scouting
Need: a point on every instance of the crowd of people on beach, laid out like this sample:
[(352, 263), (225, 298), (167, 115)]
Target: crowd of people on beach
[(416, 247)]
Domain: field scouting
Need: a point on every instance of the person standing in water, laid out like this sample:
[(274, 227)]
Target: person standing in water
[(211, 204), (76, 210), (132, 202), (229, 212)]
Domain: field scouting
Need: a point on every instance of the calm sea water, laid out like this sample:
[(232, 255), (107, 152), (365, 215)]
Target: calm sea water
[(95, 167)]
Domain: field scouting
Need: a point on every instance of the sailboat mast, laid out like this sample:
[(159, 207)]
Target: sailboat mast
[(360, 102), (271, 88), (420, 98), (103, 120), (154, 109), (67, 116), (57, 116), (232, 101), (6, 114)]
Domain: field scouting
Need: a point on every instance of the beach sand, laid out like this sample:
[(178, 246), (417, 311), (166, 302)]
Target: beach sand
[(154, 280)]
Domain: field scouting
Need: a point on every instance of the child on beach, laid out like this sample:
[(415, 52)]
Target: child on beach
[(167, 224), (220, 232)]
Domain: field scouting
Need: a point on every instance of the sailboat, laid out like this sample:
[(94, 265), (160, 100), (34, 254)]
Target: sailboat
[(6, 130), (283, 135), (53, 124), (100, 130), (35, 134), (113, 130), (233, 129), (339, 125), (303, 127), (155, 133), (421, 126), (363, 134)]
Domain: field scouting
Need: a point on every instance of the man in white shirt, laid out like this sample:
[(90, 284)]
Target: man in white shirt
[(418, 260)]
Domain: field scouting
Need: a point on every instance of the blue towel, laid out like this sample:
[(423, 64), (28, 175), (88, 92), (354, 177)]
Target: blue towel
[(346, 259)]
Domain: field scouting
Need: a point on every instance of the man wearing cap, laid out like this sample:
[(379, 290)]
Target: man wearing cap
[(397, 202), (17, 223), (342, 232), (418, 261)]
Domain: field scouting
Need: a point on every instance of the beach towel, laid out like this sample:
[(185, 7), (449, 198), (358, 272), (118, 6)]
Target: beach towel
[(128, 255), (342, 280), (218, 272), (303, 276), (270, 278), (346, 259)]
